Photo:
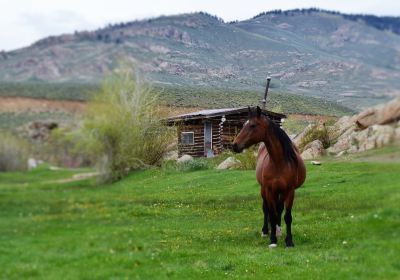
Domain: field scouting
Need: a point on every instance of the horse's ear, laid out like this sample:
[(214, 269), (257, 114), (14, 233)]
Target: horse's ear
[(258, 111), (250, 113)]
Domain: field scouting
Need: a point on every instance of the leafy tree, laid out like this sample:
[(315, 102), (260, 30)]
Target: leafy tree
[(124, 126)]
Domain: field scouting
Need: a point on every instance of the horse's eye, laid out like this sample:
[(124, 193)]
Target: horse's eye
[(252, 126)]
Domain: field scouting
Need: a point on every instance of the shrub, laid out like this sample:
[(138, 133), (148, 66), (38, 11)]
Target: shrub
[(124, 127), (316, 132), (248, 158), (14, 152), (66, 147), (193, 165)]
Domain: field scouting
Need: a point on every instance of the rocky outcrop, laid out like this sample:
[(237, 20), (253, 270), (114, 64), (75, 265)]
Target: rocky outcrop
[(313, 150), (373, 128), (376, 136), (381, 114), (40, 131), (298, 139)]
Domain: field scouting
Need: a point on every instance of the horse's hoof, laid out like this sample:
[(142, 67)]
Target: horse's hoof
[(289, 244), (273, 245), (278, 231), (263, 235)]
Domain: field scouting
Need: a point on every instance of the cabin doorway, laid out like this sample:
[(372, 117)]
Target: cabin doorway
[(208, 151)]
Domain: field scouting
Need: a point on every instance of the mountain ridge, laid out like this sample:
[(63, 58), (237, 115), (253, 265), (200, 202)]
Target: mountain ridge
[(311, 52)]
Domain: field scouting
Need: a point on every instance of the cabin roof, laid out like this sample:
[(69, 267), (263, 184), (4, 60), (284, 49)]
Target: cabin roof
[(210, 113)]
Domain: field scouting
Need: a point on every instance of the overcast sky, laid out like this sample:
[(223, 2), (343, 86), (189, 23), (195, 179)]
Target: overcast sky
[(24, 21)]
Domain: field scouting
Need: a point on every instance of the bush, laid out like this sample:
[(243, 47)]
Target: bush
[(14, 152), (123, 126), (316, 132), (66, 147), (193, 165), (248, 158)]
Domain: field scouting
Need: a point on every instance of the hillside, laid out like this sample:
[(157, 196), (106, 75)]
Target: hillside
[(182, 97), (164, 224), (353, 60)]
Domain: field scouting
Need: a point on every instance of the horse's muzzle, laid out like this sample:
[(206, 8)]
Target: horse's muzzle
[(236, 148)]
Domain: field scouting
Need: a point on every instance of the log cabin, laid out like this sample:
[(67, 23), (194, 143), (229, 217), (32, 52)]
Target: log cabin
[(207, 133)]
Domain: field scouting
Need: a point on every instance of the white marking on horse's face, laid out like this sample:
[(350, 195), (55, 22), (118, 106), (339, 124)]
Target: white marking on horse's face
[(246, 122)]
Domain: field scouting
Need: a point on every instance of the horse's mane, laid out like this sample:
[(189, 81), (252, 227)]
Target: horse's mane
[(289, 152)]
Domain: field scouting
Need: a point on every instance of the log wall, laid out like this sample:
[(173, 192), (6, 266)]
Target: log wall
[(196, 149), (223, 134)]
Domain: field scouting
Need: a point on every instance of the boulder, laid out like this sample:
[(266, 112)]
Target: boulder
[(381, 114), (341, 126), (353, 149), (185, 158), (299, 137), (171, 155), (376, 136), (373, 128), (292, 136), (331, 151), (340, 154), (384, 135), (40, 131), (229, 163), (344, 142), (313, 150), (32, 163), (397, 134), (362, 140)]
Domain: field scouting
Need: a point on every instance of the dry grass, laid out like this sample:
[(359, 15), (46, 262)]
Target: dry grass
[(14, 152)]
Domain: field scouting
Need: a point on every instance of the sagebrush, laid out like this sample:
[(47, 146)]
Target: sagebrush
[(67, 147), (316, 132)]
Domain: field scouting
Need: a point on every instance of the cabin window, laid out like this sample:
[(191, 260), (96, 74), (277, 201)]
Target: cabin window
[(187, 138)]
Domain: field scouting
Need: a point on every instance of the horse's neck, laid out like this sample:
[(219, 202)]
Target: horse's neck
[(273, 145)]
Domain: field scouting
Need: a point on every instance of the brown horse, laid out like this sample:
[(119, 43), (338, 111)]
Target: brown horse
[(280, 170)]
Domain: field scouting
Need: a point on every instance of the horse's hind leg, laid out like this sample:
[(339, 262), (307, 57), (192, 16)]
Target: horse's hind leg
[(288, 219), (264, 230)]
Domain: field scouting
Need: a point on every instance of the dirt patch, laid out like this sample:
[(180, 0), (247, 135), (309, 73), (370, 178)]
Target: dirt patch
[(25, 104)]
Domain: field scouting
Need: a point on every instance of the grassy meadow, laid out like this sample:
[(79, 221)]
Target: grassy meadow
[(166, 224)]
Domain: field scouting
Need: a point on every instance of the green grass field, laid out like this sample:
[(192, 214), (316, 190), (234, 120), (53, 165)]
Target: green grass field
[(161, 224)]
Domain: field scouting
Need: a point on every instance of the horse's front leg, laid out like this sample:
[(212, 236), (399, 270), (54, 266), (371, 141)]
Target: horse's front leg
[(272, 200), (288, 219), (264, 230)]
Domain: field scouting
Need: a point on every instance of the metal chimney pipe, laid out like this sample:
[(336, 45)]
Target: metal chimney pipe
[(264, 101)]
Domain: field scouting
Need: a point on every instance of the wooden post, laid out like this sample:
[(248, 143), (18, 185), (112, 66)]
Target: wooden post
[(264, 101), (221, 131)]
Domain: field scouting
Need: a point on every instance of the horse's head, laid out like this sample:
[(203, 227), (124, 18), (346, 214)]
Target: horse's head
[(253, 131)]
